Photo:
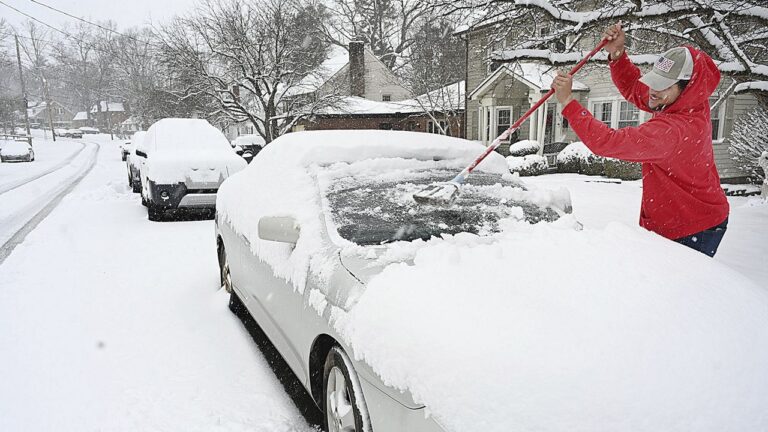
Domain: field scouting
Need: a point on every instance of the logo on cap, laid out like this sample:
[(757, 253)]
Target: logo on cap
[(664, 64)]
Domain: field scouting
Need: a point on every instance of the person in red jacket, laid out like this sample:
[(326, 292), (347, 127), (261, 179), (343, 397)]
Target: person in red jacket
[(682, 196)]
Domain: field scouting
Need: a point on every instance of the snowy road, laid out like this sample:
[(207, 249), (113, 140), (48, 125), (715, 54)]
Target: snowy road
[(25, 202), (111, 322)]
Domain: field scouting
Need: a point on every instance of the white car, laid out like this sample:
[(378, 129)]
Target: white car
[(89, 130), (16, 151), (132, 162), (498, 312), (183, 162), (248, 146)]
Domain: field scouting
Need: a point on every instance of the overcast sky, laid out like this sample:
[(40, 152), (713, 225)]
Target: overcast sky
[(126, 13)]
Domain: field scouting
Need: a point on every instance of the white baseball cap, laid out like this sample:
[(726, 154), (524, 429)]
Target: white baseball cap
[(674, 65)]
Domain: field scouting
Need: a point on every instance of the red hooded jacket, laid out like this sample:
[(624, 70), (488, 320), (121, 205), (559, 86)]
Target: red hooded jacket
[(681, 186)]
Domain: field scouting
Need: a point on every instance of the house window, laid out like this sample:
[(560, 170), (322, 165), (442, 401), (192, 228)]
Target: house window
[(629, 115), (386, 98), (410, 126), (494, 46), (385, 126), (503, 120), (432, 128), (715, 116), (602, 111), (556, 45)]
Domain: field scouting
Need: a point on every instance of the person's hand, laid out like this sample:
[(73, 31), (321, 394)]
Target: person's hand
[(563, 84), (616, 38)]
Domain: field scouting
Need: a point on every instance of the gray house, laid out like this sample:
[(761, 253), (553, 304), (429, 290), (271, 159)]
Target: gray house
[(498, 93)]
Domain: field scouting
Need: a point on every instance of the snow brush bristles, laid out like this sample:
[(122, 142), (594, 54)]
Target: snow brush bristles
[(443, 194)]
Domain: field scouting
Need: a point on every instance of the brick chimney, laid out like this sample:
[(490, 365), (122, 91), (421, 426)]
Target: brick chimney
[(357, 68)]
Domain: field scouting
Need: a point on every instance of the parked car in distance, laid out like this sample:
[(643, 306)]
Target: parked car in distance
[(248, 146), (74, 133), (16, 151), (183, 162), (89, 130), (132, 162), (125, 149)]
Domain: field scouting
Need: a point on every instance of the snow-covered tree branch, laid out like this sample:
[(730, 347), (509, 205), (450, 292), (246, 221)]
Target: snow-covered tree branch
[(243, 56), (731, 31)]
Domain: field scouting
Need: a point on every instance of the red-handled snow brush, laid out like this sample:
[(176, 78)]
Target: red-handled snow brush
[(445, 193)]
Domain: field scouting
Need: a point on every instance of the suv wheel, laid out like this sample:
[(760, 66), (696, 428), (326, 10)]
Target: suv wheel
[(154, 213)]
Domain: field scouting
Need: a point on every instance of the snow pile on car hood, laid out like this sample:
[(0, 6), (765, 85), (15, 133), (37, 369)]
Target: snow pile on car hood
[(551, 329), (288, 164)]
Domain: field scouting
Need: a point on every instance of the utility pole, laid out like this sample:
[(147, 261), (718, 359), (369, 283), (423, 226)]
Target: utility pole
[(23, 90), (109, 122), (48, 105)]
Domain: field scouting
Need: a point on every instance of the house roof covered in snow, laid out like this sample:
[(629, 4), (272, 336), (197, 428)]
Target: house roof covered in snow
[(338, 57), (113, 107), (537, 76), (82, 115), (448, 98)]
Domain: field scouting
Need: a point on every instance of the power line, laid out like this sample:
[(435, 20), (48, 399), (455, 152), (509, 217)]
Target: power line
[(88, 22)]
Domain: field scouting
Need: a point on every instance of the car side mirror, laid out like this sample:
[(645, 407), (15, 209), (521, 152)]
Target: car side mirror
[(284, 229), (141, 153)]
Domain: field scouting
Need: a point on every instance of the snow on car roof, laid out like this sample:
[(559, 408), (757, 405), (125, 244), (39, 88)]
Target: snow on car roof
[(325, 147), (14, 148), (178, 134)]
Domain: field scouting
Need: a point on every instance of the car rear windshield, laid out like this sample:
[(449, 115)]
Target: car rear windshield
[(372, 210)]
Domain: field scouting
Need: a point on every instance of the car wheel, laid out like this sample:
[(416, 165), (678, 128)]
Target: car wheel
[(225, 277), (154, 213), (343, 402), (235, 304)]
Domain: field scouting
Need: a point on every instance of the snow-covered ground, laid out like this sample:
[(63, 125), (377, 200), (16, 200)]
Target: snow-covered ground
[(111, 322)]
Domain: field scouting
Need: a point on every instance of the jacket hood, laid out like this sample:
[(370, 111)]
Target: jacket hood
[(704, 81)]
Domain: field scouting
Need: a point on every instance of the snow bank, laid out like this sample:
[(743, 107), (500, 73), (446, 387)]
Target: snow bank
[(294, 158), (551, 329)]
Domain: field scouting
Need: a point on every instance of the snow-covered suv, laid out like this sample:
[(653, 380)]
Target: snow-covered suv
[(183, 163)]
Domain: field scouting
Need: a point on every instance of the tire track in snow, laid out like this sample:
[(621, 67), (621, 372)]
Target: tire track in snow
[(24, 181), (18, 237)]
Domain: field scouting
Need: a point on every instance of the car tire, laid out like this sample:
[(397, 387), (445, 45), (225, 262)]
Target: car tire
[(225, 276), (235, 304), (136, 186), (343, 403), (154, 213)]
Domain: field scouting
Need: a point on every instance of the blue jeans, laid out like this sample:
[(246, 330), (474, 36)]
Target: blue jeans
[(706, 241)]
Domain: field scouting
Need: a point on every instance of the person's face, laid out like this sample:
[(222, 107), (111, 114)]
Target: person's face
[(660, 99)]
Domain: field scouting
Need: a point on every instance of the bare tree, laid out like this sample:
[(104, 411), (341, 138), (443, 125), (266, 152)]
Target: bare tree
[(387, 26), (732, 31), (749, 140), (86, 62), (244, 56)]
